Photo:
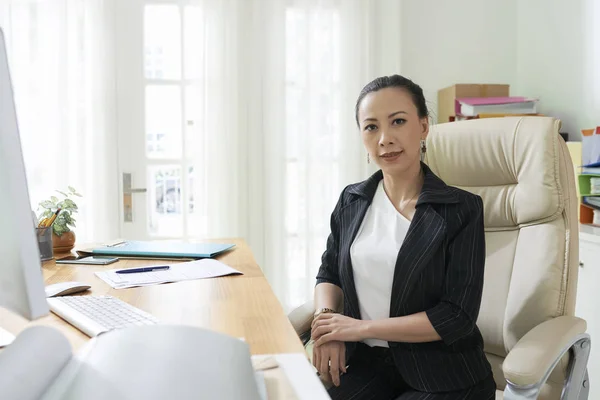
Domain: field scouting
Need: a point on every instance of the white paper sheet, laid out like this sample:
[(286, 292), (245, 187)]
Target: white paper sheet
[(201, 269)]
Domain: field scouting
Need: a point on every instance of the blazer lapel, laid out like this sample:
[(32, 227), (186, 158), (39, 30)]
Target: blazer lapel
[(425, 234), (351, 219)]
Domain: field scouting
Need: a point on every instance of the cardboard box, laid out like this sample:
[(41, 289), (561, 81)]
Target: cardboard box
[(447, 96)]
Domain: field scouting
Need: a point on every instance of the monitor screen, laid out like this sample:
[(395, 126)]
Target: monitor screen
[(21, 279)]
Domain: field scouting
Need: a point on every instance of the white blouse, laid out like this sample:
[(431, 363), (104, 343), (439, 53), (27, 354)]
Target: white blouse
[(373, 254)]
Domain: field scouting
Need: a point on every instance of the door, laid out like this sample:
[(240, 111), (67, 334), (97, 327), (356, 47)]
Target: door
[(159, 58)]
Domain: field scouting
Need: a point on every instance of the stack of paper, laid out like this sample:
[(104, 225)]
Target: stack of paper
[(206, 268), (594, 185), (592, 201)]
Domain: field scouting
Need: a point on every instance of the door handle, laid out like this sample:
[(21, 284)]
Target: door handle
[(127, 196), (140, 190)]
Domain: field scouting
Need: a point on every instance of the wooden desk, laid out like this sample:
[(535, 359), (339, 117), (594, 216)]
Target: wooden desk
[(240, 306)]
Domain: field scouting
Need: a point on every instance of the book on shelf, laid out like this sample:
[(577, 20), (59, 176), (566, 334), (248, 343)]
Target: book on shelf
[(447, 96), (589, 191), (592, 201), (474, 106), (492, 115), (590, 170)]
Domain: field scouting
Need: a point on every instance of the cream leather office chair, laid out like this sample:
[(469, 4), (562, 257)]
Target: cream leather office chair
[(522, 170)]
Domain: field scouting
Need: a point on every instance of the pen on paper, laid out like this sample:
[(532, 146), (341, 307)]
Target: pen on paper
[(115, 244), (145, 269)]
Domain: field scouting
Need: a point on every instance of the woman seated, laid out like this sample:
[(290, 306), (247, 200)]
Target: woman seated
[(405, 259)]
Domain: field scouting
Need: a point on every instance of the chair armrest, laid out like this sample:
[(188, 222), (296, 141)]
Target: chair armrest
[(534, 356), (302, 317)]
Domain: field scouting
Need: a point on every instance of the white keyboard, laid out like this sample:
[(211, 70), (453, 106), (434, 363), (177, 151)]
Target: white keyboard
[(96, 314)]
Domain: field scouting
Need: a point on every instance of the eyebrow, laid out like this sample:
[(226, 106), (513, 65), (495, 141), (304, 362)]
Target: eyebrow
[(389, 116)]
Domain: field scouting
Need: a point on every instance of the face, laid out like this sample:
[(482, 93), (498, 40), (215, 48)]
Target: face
[(392, 130)]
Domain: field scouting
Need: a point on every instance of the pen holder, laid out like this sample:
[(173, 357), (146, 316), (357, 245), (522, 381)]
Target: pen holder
[(44, 238)]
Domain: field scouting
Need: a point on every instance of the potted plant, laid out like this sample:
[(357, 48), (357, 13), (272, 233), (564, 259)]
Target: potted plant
[(63, 238)]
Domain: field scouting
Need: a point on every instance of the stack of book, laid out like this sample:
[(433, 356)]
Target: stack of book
[(493, 107), (589, 178), (481, 100)]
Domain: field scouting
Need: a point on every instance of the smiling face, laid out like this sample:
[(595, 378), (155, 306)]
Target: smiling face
[(392, 129)]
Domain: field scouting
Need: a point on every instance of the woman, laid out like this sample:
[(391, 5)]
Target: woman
[(406, 258)]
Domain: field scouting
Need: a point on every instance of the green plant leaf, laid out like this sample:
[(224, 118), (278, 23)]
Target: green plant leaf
[(54, 199), (72, 189), (70, 204), (47, 204), (77, 194), (69, 207), (63, 193)]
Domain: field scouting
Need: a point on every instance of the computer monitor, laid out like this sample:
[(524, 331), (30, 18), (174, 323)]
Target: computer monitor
[(21, 279)]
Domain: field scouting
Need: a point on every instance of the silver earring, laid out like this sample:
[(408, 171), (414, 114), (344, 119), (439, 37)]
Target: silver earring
[(368, 159), (423, 149)]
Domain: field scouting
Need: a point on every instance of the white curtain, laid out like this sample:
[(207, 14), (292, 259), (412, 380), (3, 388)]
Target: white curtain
[(280, 141), (60, 55), (274, 139)]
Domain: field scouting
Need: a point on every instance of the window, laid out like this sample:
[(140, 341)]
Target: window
[(173, 70)]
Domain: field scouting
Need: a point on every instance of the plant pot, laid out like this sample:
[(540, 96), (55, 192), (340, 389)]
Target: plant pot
[(63, 243)]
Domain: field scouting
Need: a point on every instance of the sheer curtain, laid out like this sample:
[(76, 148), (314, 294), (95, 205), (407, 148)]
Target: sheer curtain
[(60, 54), (272, 136), (328, 50), (279, 141)]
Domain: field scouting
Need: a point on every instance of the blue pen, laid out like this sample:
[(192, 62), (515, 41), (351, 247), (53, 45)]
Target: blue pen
[(145, 269)]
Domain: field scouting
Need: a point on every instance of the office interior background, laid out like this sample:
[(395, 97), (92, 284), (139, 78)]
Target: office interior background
[(237, 116)]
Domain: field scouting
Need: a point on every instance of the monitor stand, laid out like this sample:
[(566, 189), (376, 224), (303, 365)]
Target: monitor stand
[(6, 338)]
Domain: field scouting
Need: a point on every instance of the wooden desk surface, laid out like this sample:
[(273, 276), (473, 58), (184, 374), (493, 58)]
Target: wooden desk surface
[(240, 306)]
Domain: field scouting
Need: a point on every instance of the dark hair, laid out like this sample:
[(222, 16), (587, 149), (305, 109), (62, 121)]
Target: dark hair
[(395, 81)]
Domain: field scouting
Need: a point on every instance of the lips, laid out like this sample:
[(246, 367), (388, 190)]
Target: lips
[(391, 154)]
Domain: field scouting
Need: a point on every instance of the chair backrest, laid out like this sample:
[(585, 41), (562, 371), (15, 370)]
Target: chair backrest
[(522, 169)]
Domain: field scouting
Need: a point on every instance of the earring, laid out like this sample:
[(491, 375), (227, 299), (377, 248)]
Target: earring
[(368, 159), (423, 149)]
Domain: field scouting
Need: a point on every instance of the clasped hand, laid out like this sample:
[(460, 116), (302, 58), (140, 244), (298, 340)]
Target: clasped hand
[(328, 327), (330, 331)]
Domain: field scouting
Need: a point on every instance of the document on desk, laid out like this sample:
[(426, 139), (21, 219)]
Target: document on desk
[(200, 269)]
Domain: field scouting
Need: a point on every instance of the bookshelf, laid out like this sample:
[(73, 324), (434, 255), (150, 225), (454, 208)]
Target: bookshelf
[(586, 210)]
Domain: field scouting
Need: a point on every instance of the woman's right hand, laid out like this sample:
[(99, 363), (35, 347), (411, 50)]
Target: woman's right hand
[(330, 359)]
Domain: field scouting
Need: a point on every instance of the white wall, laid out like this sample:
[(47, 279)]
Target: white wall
[(555, 52), (549, 49), (459, 41)]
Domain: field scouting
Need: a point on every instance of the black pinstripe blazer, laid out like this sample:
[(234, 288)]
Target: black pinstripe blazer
[(439, 270)]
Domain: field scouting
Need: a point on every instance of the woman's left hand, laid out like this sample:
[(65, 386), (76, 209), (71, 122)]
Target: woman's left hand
[(327, 327)]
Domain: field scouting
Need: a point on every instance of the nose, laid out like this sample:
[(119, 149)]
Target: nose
[(385, 138)]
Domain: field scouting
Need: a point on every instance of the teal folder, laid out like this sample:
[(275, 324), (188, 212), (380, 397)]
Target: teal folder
[(164, 249)]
